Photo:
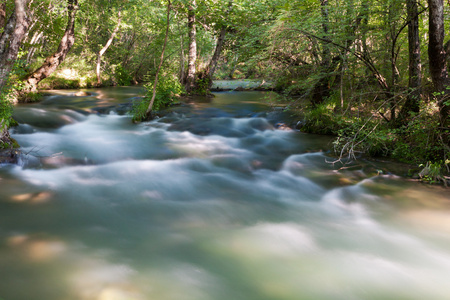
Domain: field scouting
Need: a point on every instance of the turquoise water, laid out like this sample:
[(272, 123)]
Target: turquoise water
[(208, 202)]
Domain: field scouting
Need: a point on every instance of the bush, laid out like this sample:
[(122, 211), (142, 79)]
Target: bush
[(420, 141), (434, 172), (122, 76), (202, 86), (167, 92), (323, 120)]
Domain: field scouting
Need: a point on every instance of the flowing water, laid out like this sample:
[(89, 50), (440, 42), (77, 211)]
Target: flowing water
[(209, 202)]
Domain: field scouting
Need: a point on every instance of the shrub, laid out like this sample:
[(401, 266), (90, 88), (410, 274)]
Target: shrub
[(122, 76), (167, 91)]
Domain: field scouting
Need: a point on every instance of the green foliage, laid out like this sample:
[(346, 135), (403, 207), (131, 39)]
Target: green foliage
[(139, 109), (365, 136), (418, 142), (30, 97), (5, 110), (7, 97), (6, 120), (122, 76), (73, 73), (168, 90), (202, 86), (322, 120), (57, 82), (434, 172)]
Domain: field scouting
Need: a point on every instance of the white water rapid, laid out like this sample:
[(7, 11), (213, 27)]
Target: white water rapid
[(209, 202)]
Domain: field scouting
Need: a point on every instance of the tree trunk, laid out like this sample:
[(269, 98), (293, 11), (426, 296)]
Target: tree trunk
[(436, 55), (392, 25), (214, 60), (10, 43), (2, 15), (52, 62), (182, 75), (219, 45), (11, 40), (150, 105), (192, 56), (321, 89), (129, 54), (415, 66), (6, 35), (103, 50)]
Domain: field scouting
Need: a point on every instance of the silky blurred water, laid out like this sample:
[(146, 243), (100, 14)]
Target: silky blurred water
[(210, 201)]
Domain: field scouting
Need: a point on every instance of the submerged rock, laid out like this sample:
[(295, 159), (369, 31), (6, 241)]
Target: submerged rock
[(9, 156)]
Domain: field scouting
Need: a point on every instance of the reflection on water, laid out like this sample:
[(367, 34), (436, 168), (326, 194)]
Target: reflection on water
[(208, 202)]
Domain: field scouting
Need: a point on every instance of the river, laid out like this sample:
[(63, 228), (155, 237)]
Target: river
[(209, 202)]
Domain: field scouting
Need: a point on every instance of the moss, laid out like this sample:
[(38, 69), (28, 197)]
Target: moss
[(13, 143), (9, 143), (13, 123)]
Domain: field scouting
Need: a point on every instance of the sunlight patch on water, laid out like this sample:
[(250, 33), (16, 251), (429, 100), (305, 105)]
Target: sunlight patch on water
[(437, 221), (280, 240), (177, 280), (37, 198), (95, 279), (37, 249)]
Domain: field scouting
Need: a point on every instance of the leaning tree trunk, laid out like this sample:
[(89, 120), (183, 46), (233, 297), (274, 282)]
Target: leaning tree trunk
[(415, 67), (103, 50), (11, 40), (219, 45), (215, 59), (437, 55), (52, 62), (192, 56)]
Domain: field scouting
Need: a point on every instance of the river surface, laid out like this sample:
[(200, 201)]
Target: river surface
[(209, 202)]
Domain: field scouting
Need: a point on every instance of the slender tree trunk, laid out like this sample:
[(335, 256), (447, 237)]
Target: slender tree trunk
[(182, 61), (11, 40), (437, 54), (233, 64), (130, 47), (103, 50), (192, 56), (150, 105), (326, 59), (52, 62), (321, 89), (34, 41), (415, 65), (391, 24)]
